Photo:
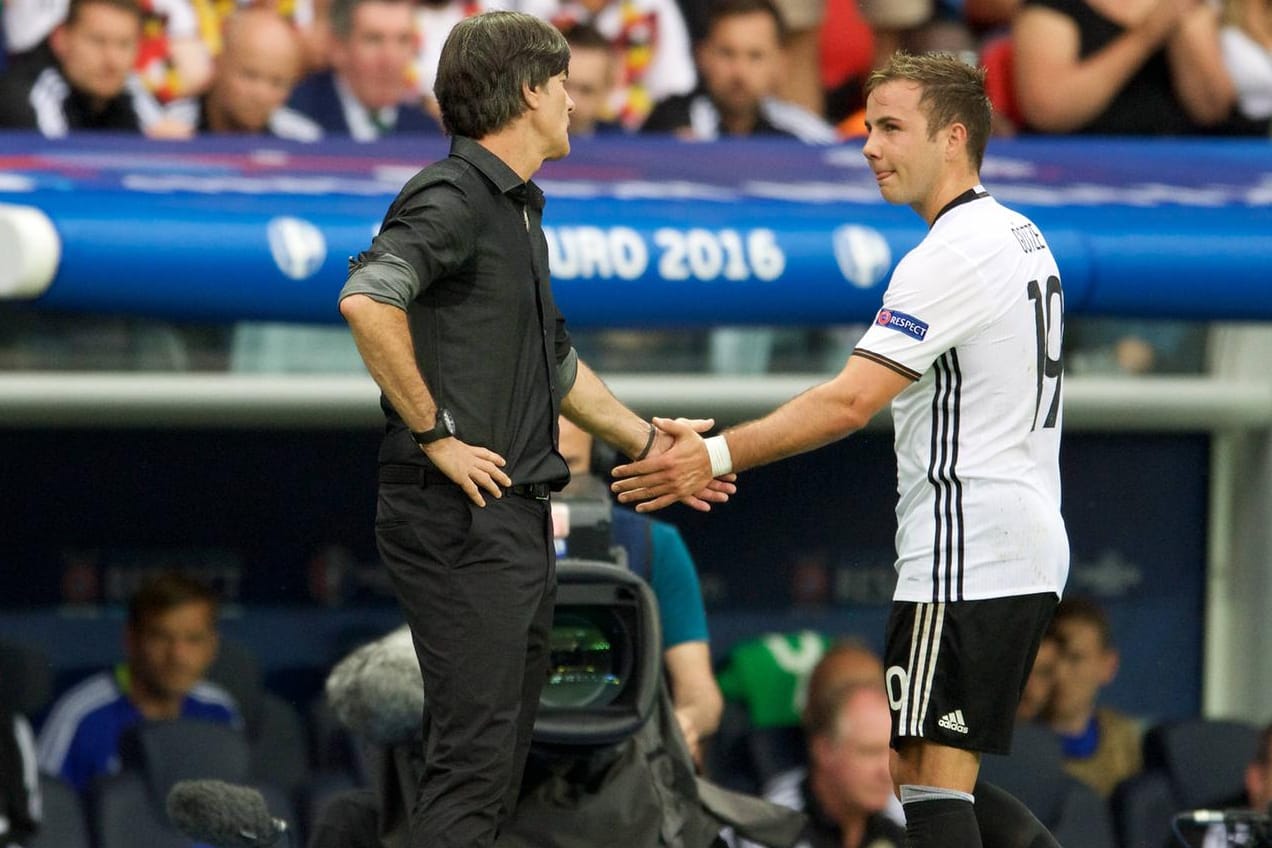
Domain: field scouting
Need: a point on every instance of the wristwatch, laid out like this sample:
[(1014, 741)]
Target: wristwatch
[(444, 426)]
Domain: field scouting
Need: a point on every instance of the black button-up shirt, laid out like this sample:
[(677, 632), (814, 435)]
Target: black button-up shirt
[(487, 333)]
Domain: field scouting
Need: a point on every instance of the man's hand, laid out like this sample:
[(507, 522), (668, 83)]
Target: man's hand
[(470, 467), (679, 471), (693, 739)]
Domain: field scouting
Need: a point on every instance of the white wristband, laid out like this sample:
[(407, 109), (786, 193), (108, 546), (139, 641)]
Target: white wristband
[(721, 459)]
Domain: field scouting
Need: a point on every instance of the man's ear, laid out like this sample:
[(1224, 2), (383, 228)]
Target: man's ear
[(956, 140), (1108, 666), (57, 41), (531, 95)]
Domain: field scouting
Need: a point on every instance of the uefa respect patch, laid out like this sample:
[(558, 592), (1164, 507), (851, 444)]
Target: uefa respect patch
[(902, 323)]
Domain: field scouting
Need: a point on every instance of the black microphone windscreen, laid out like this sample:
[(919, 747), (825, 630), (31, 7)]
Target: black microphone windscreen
[(222, 814)]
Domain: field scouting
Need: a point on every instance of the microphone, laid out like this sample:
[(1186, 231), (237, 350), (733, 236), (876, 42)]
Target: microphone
[(223, 814), (377, 691)]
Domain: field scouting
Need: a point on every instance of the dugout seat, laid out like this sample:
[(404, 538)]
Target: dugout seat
[(63, 823), (1188, 765), (1033, 772), (26, 678), (276, 734), (128, 809)]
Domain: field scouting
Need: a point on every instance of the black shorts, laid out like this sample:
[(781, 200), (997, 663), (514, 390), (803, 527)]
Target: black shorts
[(955, 670)]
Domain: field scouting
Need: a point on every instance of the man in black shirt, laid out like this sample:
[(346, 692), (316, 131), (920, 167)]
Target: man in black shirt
[(453, 313), (90, 85)]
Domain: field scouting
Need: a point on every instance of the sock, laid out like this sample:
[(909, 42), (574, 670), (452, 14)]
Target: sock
[(1007, 823), (939, 818)]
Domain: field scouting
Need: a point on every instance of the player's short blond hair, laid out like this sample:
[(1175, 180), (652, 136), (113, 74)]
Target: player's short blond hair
[(953, 92)]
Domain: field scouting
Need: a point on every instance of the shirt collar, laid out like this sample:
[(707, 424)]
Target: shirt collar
[(976, 192), (497, 171)]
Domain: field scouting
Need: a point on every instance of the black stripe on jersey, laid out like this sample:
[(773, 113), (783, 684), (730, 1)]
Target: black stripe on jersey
[(908, 373), (948, 553), (956, 424)]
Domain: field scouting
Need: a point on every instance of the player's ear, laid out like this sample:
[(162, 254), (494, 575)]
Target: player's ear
[(956, 139)]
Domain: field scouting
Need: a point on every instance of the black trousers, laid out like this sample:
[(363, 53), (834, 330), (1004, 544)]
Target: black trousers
[(477, 586)]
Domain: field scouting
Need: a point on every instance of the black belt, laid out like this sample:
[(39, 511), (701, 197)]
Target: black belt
[(421, 476)]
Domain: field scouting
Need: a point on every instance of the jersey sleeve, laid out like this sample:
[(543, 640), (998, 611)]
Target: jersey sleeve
[(675, 584), (935, 301)]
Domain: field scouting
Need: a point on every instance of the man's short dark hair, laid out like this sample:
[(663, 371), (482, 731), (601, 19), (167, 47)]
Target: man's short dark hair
[(718, 10), (132, 7), (586, 36), (953, 92), (486, 61), (1085, 611), (342, 12), (165, 592)]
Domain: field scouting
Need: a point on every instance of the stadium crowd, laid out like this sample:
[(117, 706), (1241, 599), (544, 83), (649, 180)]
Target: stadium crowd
[(302, 69)]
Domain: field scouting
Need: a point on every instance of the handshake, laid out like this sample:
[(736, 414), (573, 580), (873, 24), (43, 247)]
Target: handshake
[(681, 466)]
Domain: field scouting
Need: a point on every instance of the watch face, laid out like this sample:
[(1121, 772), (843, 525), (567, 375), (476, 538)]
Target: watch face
[(448, 421)]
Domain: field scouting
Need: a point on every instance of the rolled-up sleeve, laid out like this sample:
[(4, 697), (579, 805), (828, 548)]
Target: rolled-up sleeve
[(389, 279), (567, 371)]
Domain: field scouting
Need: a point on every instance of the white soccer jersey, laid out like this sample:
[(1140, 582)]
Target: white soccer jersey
[(974, 314)]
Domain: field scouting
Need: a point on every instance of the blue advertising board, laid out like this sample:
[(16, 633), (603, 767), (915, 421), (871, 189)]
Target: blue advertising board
[(642, 232)]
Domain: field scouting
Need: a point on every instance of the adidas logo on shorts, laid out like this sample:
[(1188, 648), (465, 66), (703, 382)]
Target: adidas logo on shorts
[(953, 721)]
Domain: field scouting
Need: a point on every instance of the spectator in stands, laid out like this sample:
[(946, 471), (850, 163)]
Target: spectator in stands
[(656, 551), (655, 56), (1102, 747), (847, 789), (845, 57), (990, 15), (1122, 346), (260, 63), (170, 640), (740, 63), (593, 73), (364, 93), (434, 19), (800, 82), (19, 781), (845, 661), (1246, 41), (1148, 67), (172, 59), (1036, 697), (309, 20), (88, 84), (768, 675), (919, 26)]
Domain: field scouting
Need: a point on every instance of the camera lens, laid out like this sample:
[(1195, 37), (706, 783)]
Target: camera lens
[(583, 668)]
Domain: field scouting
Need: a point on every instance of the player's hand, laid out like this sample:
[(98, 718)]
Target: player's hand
[(470, 467), (676, 472)]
